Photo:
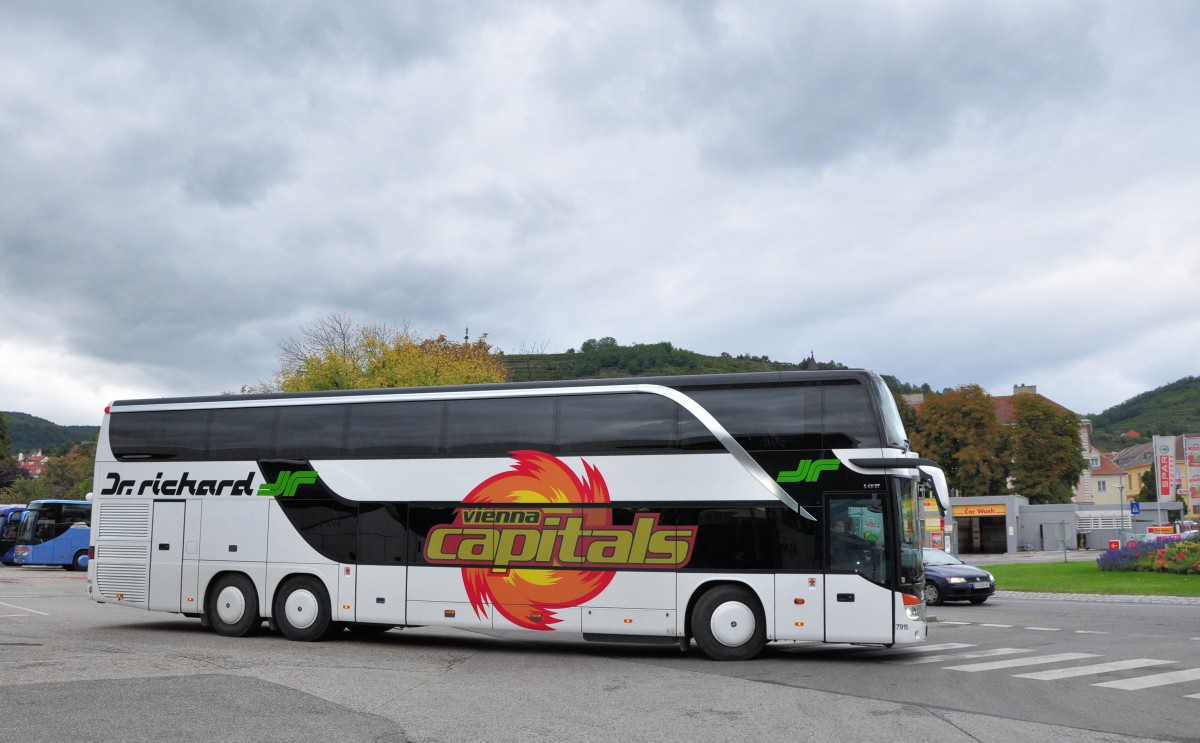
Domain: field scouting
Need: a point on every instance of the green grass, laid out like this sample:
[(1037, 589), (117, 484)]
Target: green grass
[(1085, 577)]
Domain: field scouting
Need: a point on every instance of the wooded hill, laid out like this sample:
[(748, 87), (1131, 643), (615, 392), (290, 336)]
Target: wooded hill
[(605, 358), (1170, 410), (29, 433)]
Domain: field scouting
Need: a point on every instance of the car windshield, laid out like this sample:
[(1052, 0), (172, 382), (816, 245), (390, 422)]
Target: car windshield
[(937, 557)]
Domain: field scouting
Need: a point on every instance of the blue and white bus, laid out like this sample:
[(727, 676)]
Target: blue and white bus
[(55, 532), (672, 509), (10, 519)]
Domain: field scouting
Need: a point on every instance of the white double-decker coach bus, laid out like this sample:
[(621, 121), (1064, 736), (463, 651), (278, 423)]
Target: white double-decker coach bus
[(732, 510)]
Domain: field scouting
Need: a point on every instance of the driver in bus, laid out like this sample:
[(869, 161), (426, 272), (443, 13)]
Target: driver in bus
[(847, 550)]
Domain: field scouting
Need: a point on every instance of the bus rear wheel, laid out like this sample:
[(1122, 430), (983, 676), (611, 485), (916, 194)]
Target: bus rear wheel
[(728, 623), (233, 606), (302, 610)]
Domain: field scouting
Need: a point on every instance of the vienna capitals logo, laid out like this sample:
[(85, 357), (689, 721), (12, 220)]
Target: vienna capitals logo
[(808, 470), (288, 482)]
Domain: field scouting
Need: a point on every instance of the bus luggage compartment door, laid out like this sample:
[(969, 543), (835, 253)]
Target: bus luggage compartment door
[(166, 556)]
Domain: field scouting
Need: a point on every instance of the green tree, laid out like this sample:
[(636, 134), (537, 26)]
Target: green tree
[(1149, 485), (958, 429), (336, 353), (5, 441), (1047, 455), (70, 476)]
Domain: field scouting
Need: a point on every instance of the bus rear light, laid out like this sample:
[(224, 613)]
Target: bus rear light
[(911, 600), (92, 552)]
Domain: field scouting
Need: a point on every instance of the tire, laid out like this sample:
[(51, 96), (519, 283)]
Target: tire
[(933, 596), (233, 606), (728, 623), (302, 610), (80, 560), (978, 599)]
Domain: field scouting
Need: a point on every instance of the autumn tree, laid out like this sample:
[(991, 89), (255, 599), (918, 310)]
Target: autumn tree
[(958, 429), (1047, 454), (335, 353)]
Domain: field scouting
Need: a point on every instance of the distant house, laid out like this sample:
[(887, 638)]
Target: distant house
[(34, 464), (1134, 461)]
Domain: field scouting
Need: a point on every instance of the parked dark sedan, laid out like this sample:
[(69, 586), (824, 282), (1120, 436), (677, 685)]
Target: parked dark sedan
[(948, 578)]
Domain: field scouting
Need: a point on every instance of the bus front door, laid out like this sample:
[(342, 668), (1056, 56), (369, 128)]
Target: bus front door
[(858, 605)]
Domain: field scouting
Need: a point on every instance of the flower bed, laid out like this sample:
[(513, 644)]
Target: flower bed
[(1181, 558)]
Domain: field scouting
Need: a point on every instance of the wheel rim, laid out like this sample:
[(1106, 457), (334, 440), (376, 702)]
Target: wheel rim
[(231, 605), (301, 608), (931, 594), (732, 624)]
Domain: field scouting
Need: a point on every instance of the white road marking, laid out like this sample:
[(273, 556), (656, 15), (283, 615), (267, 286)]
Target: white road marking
[(1116, 665), (963, 656), (1044, 629), (22, 608), (1157, 679), (1014, 663)]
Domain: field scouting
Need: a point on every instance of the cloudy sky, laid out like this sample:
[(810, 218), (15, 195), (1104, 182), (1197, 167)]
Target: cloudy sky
[(947, 192)]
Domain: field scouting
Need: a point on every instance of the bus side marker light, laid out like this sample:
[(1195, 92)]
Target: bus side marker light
[(191, 599), (812, 582), (449, 614), (535, 617), (345, 606), (628, 621), (347, 571), (799, 624), (797, 602)]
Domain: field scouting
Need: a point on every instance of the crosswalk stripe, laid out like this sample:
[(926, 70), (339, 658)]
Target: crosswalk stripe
[(1016, 662), (1157, 679), (1116, 665), (961, 656)]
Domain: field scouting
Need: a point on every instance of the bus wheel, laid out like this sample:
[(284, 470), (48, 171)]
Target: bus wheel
[(233, 606), (80, 561), (728, 623), (302, 610)]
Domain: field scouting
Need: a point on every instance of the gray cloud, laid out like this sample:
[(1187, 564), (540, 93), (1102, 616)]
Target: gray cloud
[(948, 193)]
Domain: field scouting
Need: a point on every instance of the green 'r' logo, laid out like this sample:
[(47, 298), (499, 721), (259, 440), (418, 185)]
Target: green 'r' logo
[(285, 486), (808, 470)]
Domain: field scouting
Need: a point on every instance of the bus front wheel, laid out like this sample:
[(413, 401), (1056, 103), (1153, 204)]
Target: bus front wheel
[(233, 606), (728, 623), (302, 610)]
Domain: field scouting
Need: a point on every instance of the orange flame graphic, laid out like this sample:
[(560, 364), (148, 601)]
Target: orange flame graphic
[(528, 596)]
